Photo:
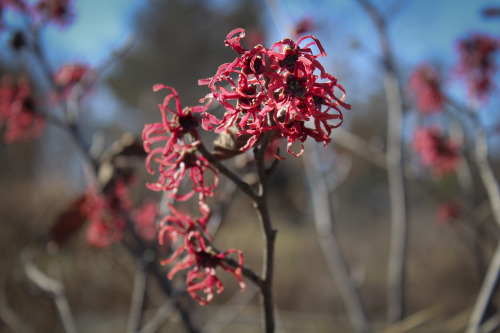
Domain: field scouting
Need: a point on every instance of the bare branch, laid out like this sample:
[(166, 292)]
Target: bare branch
[(54, 289), (138, 295), (395, 170), (328, 241)]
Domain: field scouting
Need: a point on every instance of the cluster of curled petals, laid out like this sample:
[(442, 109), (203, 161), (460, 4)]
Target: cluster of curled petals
[(477, 63), (425, 83), (17, 110), (196, 256), (172, 147), (435, 150), (284, 88), (177, 156)]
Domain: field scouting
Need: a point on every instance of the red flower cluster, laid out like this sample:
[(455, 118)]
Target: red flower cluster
[(201, 259), (17, 110), (435, 151), (173, 160), (283, 88), (179, 155), (477, 63), (425, 83)]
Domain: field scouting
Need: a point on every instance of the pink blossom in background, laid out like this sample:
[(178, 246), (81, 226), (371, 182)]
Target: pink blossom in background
[(476, 64), (448, 212), (57, 11), (145, 220), (106, 214), (435, 151), (425, 83), (69, 75), (304, 26), (17, 110)]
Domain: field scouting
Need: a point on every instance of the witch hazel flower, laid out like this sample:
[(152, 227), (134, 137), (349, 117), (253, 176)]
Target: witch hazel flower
[(284, 88), (199, 259), (425, 83), (57, 11), (477, 63), (17, 110), (70, 75), (178, 157), (145, 220), (435, 150)]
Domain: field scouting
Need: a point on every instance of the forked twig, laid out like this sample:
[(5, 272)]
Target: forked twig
[(54, 289), (329, 244)]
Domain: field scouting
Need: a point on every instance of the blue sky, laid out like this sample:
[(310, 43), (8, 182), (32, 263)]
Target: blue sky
[(422, 30), (100, 26)]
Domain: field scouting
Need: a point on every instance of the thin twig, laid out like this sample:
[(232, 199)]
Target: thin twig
[(229, 311), (328, 241), (490, 183), (138, 296), (395, 171), (54, 289), (158, 319), (245, 187), (359, 146), (485, 294)]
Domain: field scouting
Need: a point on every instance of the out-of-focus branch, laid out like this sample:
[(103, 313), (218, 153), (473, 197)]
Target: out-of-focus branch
[(138, 295), (360, 147), (9, 317), (492, 188), (486, 292), (229, 311), (491, 185), (329, 244), (158, 319), (54, 289), (395, 170)]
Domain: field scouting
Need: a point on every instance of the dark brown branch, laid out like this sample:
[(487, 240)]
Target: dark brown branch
[(261, 204), (245, 187)]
